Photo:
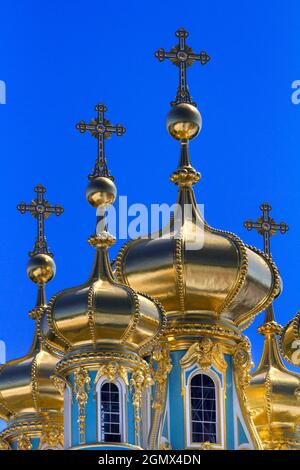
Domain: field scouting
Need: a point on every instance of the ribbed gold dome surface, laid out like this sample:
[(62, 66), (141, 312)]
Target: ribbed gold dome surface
[(290, 341), (29, 400), (103, 315), (26, 387), (274, 396), (222, 276)]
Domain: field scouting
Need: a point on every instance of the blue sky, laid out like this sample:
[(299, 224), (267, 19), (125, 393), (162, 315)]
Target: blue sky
[(59, 59)]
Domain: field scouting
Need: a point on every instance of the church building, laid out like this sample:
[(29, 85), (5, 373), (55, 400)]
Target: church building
[(151, 352)]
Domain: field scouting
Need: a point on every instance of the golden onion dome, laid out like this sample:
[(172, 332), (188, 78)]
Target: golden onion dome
[(26, 388), (102, 314), (290, 341), (29, 400), (274, 394), (196, 270)]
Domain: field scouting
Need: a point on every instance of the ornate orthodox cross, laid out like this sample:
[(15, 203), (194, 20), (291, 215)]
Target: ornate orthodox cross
[(182, 56), (266, 226), (101, 129), (40, 209)]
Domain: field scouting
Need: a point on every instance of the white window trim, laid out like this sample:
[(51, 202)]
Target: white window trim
[(146, 416), (123, 408), (67, 417), (167, 416), (220, 409)]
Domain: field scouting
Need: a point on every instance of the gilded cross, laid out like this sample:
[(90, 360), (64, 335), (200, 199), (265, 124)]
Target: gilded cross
[(40, 209), (101, 129), (182, 56), (266, 226)]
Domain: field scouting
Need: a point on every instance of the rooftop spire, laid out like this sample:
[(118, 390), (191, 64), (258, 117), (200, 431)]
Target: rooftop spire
[(101, 191), (267, 227), (184, 121), (41, 267), (182, 56), (100, 128), (40, 209)]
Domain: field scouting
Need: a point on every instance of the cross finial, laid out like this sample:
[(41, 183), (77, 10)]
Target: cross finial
[(266, 226), (182, 56), (40, 209), (101, 129)]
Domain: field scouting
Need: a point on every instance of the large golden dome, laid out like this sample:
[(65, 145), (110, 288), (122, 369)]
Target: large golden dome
[(274, 394), (221, 278)]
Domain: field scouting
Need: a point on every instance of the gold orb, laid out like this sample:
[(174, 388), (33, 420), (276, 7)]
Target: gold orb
[(101, 192), (41, 268), (184, 121)]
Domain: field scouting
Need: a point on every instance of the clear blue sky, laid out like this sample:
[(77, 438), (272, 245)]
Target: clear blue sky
[(59, 59)]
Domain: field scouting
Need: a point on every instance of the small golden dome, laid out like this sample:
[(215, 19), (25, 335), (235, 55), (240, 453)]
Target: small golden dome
[(28, 396), (41, 268), (184, 121), (26, 388), (101, 191), (103, 315), (290, 341), (274, 396)]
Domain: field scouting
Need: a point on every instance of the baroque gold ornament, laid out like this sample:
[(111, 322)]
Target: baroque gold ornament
[(4, 445), (160, 367), (112, 371), (81, 388), (24, 442), (140, 380), (205, 353), (52, 439)]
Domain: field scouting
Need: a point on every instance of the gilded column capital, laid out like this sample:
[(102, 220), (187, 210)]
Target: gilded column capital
[(4, 445), (52, 439), (112, 371), (24, 442)]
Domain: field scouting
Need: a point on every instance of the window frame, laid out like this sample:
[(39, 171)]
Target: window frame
[(68, 417), (122, 406), (219, 397)]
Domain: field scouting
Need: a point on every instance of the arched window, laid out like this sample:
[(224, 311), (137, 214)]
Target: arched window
[(203, 409), (110, 413)]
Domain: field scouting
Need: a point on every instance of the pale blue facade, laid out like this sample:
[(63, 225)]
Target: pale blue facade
[(92, 435), (231, 430)]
